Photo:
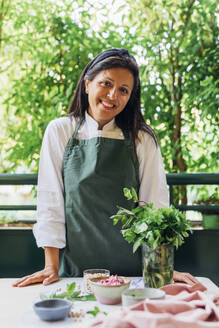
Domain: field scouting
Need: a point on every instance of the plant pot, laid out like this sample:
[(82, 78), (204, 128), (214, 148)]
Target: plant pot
[(157, 265), (210, 221)]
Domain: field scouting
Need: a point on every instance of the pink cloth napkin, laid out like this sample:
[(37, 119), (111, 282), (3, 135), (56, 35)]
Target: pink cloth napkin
[(184, 306)]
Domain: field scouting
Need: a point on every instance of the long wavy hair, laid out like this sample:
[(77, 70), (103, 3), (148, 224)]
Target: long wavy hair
[(130, 119)]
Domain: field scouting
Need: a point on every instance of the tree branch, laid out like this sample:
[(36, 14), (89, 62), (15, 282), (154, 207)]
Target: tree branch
[(188, 16)]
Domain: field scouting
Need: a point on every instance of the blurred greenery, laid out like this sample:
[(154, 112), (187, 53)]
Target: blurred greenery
[(179, 45), (45, 44)]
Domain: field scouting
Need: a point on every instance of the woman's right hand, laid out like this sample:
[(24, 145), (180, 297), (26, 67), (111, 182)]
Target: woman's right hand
[(48, 275)]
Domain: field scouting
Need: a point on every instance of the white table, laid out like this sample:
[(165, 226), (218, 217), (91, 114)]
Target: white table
[(16, 304)]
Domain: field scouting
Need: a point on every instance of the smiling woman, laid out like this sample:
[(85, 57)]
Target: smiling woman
[(87, 158)]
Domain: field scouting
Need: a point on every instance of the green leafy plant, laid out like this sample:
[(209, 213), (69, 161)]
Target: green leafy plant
[(145, 224), (70, 294), (95, 311), (157, 231)]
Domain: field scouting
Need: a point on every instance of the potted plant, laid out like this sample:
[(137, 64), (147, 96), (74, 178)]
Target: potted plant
[(210, 218), (157, 231)]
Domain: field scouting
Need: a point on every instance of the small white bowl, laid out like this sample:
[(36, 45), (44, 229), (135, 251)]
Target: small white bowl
[(109, 294), (133, 296)]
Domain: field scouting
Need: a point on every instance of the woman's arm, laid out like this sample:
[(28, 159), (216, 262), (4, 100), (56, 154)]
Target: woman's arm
[(48, 275), (49, 230), (50, 227), (153, 185)]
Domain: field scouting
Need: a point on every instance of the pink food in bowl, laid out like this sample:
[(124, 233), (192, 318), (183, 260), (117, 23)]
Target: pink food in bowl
[(113, 280), (109, 290)]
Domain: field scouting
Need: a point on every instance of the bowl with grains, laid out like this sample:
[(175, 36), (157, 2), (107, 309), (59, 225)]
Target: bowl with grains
[(95, 275)]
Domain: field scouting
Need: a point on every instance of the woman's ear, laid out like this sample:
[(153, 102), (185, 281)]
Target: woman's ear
[(86, 84)]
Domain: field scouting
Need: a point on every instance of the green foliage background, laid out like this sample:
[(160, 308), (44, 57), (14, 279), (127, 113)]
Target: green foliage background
[(46, 44)]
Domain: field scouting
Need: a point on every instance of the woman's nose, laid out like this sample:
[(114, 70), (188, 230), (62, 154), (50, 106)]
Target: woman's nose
[(112, 93)]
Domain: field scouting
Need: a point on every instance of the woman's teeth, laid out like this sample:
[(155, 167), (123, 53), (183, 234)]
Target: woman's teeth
[(107, 104)]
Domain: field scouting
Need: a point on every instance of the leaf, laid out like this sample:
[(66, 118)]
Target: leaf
[(124, 211), (89, 297), (134, 195), (137, 244), (127, 223), (70, 287), (127, 193), (64, 295), (138, 209), (75, 294), (94, 312), (141, 227)]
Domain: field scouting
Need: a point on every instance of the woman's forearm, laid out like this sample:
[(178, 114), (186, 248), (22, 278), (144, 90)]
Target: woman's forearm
[(48, 275), (52, 257)]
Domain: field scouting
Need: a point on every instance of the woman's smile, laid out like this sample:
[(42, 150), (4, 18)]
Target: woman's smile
[(107, 105)]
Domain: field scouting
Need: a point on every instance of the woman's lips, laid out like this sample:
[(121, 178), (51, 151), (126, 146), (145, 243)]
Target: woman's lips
[(107, 105)]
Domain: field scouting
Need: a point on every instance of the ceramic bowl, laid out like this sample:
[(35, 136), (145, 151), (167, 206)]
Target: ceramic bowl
[(52, 309), (133, 296), (109, 294)]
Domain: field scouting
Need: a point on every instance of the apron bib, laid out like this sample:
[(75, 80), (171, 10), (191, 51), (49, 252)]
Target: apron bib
[(95, 171)]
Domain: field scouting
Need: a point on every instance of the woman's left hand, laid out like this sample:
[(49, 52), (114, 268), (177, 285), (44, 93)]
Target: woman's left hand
[(188, 279)]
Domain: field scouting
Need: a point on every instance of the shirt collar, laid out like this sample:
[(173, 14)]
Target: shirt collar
[(93, 125)]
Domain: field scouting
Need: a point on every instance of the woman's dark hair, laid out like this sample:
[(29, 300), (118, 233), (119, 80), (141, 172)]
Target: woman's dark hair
[(131, 118)]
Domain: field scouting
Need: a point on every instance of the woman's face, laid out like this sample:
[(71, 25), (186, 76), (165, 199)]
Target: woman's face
[(108, 94)]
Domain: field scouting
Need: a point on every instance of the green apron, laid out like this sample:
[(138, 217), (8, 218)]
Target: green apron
[(95, 171)]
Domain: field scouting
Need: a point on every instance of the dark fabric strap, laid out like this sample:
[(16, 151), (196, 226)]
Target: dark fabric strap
[(78, 127)]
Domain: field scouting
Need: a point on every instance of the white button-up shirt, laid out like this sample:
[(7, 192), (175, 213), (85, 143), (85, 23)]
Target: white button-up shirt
[(50, 227)]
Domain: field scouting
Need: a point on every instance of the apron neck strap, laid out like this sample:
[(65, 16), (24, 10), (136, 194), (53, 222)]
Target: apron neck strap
[(78, 127), (126, 134)]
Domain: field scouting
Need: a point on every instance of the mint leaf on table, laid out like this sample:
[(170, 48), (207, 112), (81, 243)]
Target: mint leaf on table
[(70, 294), (70, 287), (95, 311), (89, 297)]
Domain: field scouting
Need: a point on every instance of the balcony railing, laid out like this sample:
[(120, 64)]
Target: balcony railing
[(173, 179)]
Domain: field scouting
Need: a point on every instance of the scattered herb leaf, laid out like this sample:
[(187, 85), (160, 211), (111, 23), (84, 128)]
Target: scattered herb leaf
[(70, 294), (95, 311)]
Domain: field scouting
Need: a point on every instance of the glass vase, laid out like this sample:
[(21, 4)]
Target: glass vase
[(157, 265)]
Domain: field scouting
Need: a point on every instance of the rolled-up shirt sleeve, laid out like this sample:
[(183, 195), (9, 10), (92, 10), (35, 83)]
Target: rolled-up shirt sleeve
[(50, 227), (153, 185)]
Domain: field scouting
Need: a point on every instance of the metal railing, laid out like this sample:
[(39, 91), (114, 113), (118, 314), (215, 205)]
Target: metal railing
[(173, 179), (182, 179), (18, 179)]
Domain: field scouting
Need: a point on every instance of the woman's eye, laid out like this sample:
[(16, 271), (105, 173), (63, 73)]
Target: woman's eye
[(124, 91), (106, 83)]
